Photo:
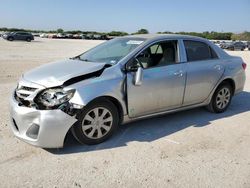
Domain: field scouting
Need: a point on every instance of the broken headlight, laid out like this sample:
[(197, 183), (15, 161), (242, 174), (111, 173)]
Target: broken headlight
[(55, 97)]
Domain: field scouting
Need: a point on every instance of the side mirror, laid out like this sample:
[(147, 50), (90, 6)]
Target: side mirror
[(138, 76), (133, 65), (132, 68)]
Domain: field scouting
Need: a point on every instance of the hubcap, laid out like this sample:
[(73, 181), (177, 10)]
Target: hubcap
[(223, 98), (97, 123)]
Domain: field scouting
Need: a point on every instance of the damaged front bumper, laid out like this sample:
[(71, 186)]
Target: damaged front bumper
[(43, 128)]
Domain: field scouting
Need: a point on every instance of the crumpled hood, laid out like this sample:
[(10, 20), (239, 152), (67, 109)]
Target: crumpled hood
[(55, 74)]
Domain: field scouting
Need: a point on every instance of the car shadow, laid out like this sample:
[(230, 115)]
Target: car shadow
[(149, 130)]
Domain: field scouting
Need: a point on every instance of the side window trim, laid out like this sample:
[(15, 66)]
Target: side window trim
[(158, 41), (158, 44), (213, 52), (180, 54)]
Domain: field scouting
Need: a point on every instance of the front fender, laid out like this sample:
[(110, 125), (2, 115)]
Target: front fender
[(111, 85)]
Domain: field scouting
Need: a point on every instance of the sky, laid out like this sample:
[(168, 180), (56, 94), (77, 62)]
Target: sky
[(127, 15)]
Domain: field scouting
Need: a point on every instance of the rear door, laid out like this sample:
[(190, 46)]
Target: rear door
[(204, 70)]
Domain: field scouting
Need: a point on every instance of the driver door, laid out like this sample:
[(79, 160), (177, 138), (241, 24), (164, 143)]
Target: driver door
[(163, 84), (18, 36)]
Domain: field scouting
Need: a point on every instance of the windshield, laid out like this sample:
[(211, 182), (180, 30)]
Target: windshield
[(112, 51)]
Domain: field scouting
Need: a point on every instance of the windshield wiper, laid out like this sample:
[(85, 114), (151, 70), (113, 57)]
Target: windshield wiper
[(83, 59), (74, 57), (78, 57)]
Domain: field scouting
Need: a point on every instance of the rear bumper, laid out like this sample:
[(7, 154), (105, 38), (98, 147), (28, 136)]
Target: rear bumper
[(43, 128)]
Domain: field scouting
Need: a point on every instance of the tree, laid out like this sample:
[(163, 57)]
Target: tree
[(142, 31), (241, 36), (59, 30), (117, 33)]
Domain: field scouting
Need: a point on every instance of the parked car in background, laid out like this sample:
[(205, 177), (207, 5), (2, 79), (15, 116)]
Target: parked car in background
[(83, 36), (104, 37), (248, 45), (69, 36), (216, 42), (235, 46), (89, 36), (61, 36), (20, 35), (76, 36), (224, 44), (122, 80), (44, 35), (36, 34), (52, 36), (97, 37)]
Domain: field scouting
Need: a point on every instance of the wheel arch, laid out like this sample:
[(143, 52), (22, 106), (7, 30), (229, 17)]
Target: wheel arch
[(230, 81), (223, 81), (115, 101)]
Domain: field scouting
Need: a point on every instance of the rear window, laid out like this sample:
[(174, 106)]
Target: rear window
[(198, 51)]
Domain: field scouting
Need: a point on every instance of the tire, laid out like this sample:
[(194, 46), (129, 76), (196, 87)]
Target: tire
[(28, 39), (10, 38), (221, 99), (91, 130)]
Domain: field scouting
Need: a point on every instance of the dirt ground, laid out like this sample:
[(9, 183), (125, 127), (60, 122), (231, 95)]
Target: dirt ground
[(193, 148)]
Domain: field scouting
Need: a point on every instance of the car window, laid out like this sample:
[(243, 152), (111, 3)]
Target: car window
[(156, 49), (159, 54), (21, 33), (112, 51), (198, 51), (213, 54)]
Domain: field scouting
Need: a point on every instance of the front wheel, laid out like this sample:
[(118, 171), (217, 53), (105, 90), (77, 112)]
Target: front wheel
[(96, 123), (221, 99), (10, 39)]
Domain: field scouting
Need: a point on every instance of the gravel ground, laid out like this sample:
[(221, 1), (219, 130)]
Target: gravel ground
[(194, 148)]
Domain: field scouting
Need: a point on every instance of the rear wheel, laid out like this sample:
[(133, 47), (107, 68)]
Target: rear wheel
[(96, 123), (221, 99), (28, 39)]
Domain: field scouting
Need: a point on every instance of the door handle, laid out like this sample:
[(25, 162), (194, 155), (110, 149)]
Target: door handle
[(179, 73)]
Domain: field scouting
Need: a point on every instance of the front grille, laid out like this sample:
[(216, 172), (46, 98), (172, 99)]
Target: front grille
[(23, 92), (23, 95), (28, 88)]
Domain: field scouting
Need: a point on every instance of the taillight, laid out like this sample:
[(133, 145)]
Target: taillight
[(244, 65)]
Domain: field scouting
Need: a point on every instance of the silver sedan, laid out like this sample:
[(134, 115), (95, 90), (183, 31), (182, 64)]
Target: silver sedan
[(119, 81)]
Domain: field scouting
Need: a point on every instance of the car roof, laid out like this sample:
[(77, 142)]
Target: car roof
[(21, 32), (153, 37), (164, 36)]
